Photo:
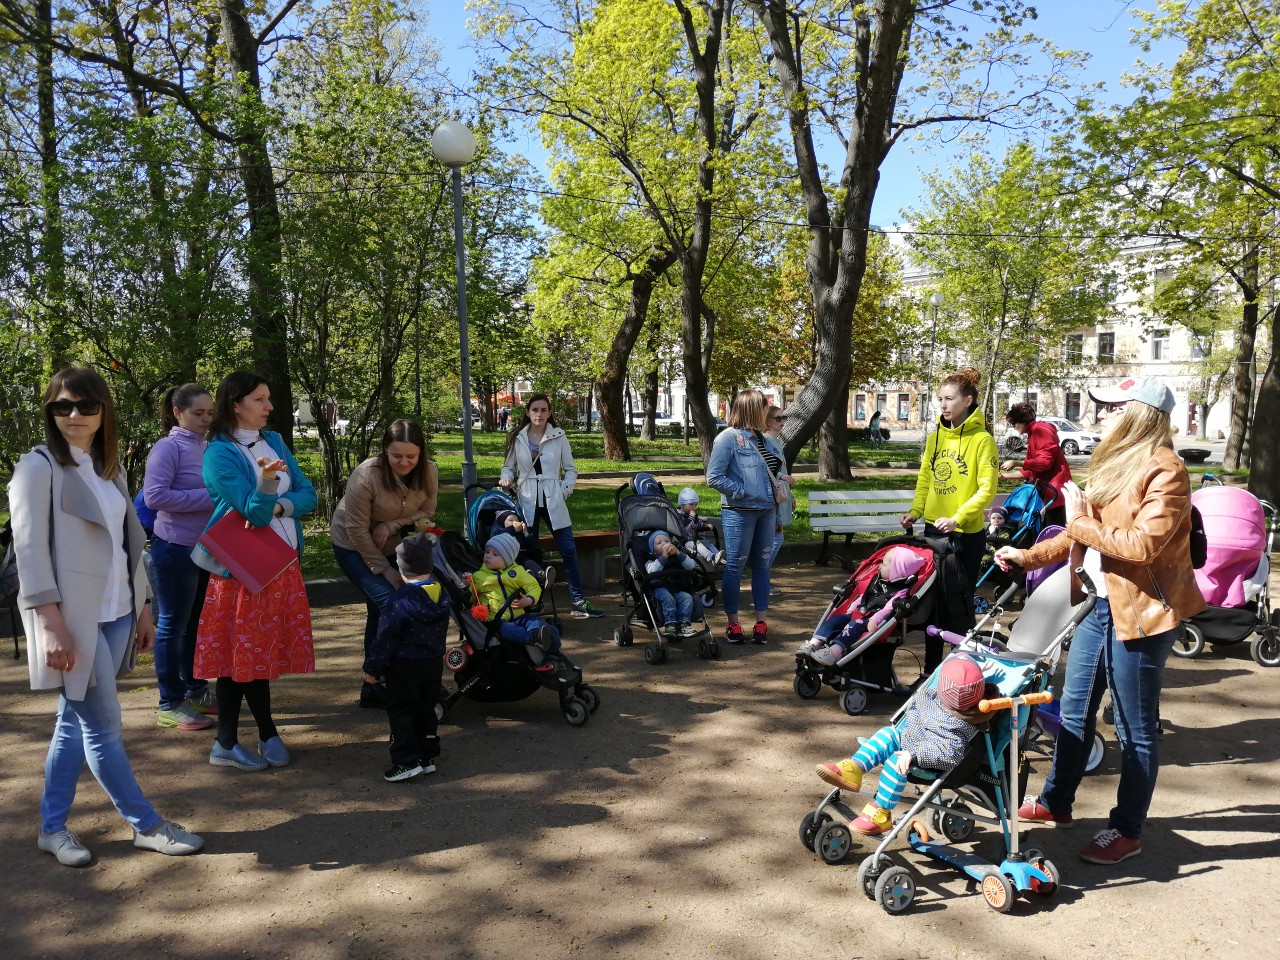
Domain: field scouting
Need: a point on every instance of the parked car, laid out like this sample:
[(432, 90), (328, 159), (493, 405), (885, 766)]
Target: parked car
[(720, 425), (1072, 437)]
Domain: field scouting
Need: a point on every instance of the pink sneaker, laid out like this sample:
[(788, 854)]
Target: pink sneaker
[(1110, 846), (1034, 811)]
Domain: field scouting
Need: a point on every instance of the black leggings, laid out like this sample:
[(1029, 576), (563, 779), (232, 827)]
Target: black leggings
[(256, 693)]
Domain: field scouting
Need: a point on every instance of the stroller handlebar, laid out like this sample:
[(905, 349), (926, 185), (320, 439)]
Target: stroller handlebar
[(1006, 703)]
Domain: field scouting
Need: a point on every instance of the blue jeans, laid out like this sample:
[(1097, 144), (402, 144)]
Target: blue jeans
[(568, 553), (748, 540), (777, 545), (90, 729), (676, 605), (179, 587), (375, 587), (1134, 672), (518, 630)]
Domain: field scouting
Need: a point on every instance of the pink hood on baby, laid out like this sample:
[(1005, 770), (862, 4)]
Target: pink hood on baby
[(903, 563)]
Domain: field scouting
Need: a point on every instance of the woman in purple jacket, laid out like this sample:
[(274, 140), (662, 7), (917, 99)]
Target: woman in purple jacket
[(174, 488)]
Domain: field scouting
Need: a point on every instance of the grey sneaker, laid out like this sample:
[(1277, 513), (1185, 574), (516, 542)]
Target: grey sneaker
[(184, 717), (66, 846), (582, 609), (169, 838), (205, 702)]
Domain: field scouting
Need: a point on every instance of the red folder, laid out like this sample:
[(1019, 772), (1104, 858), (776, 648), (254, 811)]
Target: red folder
[(254, 555)]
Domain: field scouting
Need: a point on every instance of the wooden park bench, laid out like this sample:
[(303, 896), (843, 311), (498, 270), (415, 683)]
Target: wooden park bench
[(591, 546), (847, 513)]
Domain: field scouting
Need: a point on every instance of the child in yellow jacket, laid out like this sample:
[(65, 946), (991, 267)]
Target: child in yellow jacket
[(500, 580)]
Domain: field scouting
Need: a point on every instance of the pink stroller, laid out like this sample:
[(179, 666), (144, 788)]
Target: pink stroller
[(1234, 577)]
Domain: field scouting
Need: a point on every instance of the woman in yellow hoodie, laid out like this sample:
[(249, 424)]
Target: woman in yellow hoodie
[(957, 481)]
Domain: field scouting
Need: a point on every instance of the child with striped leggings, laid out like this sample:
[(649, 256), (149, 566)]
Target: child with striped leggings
[(933, 733)]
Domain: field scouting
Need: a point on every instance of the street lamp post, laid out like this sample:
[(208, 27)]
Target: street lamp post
[(454, 146), (935, 301)]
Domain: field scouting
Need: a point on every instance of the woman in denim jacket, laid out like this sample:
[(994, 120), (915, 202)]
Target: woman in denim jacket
[(740, 470)]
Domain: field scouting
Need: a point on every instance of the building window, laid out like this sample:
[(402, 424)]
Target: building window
[(1073, 406), (1160, 345), (1201, 348), (1033, 399), (1106, 348), (1074, 351), (904, 406), (860, 407), (880, 404)]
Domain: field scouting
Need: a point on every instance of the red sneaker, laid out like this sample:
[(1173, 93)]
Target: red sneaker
[(1110, 846), (1034, 811), (733, 633), (760, 634), (872, 822)]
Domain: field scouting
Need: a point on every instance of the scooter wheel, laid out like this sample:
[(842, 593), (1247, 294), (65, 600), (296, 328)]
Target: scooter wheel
[(997, 890)]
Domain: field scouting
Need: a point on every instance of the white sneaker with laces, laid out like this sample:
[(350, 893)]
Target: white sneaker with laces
[(66, 846), (828, 656), (169, 838)]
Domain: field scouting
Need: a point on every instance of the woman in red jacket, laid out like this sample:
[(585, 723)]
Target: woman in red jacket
[(1044, 463)]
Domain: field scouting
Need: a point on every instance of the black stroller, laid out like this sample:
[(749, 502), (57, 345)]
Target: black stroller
[(486, 669), (487, 505), (639, 516)]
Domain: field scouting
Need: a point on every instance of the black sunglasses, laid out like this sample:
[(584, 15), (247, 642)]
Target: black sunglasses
[(63, 408)]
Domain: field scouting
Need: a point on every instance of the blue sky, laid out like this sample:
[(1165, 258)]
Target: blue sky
[(1101, 28)]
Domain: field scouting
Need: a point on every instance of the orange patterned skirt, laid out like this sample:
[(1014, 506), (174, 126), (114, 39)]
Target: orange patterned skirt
[(247, 636)]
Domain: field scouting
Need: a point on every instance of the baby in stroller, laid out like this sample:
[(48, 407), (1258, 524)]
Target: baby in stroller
[(933, 731), (506, 589), (676, 604), (694, 525), (836, 634), (511, 523)]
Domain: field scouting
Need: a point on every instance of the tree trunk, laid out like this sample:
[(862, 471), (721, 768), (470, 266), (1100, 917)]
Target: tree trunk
[(1242, 385), (833, 442), (266, 309), (51, 301), (837, 256), (1264, 459), (610, 387)]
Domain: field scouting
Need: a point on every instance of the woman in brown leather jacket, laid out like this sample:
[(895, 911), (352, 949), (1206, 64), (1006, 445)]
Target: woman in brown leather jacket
[(1131, 533)]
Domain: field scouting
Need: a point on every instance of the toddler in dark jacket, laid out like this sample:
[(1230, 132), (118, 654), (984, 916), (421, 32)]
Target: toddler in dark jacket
[(409, 653)]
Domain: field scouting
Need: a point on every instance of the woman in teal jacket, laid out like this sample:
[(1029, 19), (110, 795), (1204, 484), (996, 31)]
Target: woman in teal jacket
[(246, 639)]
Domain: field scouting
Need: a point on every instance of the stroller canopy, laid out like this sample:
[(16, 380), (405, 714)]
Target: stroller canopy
[(1236, 530)]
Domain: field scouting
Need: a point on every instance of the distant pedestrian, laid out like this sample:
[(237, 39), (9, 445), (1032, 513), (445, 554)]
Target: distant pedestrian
[(873, 429)]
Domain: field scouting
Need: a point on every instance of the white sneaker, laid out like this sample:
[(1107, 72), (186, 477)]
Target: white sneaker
[(170, 838), (66, 846), (828, 656)]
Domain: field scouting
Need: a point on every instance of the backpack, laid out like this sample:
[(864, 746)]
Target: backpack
[(146, 516), (1199, 542)]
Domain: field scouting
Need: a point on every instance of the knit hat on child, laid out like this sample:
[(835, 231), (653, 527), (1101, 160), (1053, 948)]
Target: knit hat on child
[(687, 496), (998, 511), (505, 546), (903, 563), (960, 684), (653, 540), (413, 556)]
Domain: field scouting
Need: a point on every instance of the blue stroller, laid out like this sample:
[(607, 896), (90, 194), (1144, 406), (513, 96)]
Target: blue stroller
[(981, 788), (1025, 508)]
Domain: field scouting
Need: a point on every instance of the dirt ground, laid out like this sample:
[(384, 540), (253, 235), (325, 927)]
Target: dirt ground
[(666, 827)]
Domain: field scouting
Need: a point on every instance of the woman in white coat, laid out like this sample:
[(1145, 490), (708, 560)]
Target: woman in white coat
[(78, 540), (540, 467)]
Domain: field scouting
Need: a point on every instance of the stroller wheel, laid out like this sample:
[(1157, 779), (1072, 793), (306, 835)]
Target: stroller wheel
[(998, 892), (869, 871), (896, 889), (587, 694), (833, 842), (1191, 644), (654, 654), (576, 712), (708, 599), (623, 636), (807, 684), (1265, 649), (854, 701), (952, 823), (1097, 753), (704, 649), (715, 649), (810, 826)]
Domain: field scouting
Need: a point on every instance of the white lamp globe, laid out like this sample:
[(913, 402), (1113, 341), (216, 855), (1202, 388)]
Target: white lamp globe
[(453, 144)]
